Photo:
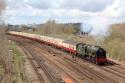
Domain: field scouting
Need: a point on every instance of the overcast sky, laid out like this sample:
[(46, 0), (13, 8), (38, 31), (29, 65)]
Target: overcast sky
[(38, 11)]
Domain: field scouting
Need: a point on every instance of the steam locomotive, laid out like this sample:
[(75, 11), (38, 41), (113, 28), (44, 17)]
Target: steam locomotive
[(94, 54)]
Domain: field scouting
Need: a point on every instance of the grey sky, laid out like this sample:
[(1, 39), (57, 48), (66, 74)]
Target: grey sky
[(73, 10)]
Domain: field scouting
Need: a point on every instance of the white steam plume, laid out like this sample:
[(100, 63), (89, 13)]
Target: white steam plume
[(111, 15), (96, 26)]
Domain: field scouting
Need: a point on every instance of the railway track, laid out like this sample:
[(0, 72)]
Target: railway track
[(92, 75), (61, 67), (80, 69), (40, 67), (34, 64), (113, 70)]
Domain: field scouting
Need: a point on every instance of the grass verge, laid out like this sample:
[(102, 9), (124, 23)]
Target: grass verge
[(18, 65)]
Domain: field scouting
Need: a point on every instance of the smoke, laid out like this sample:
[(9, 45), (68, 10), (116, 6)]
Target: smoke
[(96, 26), (101, 21), (86, 27)]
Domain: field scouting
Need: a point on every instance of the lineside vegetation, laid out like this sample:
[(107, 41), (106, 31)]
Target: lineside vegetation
[(115, 42), (11, 61)]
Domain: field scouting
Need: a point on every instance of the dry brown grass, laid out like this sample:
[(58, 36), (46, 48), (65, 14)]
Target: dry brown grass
[(115, 42)]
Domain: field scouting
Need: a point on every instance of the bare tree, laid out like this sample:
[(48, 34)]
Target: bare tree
[(2, 5)]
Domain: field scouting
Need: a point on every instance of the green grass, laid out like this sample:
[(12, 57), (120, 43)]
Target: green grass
[(19, 73), (1, 70)]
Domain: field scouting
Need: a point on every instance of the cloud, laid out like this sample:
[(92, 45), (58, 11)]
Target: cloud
[(113, 10), (65, 10), (86, 5), (39, 4), (83, 5), (59, 15), (101, 21), (116, 10), (25, 20), (96, 14)]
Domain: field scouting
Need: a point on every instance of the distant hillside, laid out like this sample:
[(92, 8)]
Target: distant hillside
[(51, 27)]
